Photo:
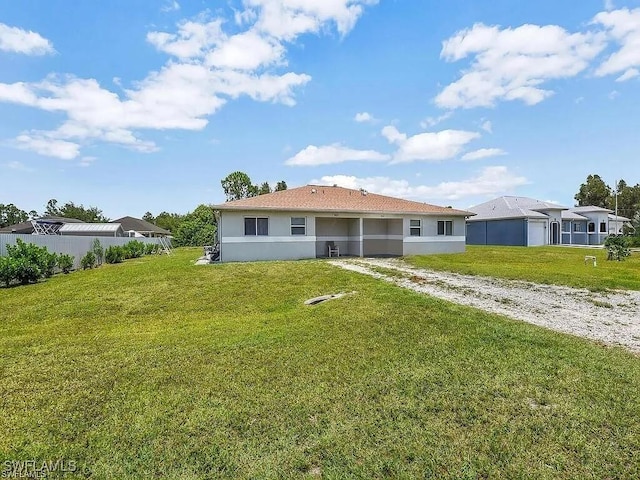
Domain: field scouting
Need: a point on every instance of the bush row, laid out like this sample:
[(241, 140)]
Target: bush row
[(27, 263), (116, 253)]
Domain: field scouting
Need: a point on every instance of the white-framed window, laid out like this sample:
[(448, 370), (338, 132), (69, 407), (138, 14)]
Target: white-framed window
[(256, 226), (415, 227), (591, 227), (445, 227), (577, 227), (603, 227), (298, 225)]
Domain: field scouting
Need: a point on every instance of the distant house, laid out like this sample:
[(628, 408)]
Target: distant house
[(304, 222), (28, 227), (523, 221), (137, 227)]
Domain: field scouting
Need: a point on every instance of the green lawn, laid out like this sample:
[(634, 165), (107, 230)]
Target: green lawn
[(157, 368), (551, 265)]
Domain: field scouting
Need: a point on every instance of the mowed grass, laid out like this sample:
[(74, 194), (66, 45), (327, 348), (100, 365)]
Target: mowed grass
[(549, 265), (158, 368)]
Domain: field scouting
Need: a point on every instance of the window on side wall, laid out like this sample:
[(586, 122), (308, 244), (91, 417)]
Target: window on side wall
[(256, 226), (603, 227), (591, 227), (445, 227), (565, 227), (415, 227), (577, 227), (298, 226)]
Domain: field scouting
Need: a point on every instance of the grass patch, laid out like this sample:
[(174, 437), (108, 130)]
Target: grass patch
[(549, 265), (162, 369)]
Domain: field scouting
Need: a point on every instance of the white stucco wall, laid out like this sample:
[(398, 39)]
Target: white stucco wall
[(380, 236), (235, 246)]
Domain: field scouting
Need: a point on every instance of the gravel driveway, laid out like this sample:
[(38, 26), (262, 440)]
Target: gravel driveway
[(611, 317)]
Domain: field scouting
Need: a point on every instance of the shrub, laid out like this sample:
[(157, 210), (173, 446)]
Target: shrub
[(25, 271), (133, 249), (27, 263), (98, 251), (617, 247), (150, 248), (88, 261), (65, 262), (7, 270), (114, 254), (48, 263)]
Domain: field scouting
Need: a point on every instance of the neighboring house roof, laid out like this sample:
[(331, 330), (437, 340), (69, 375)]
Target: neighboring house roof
[(513, 207), (27, 227), (318, 198), (590, 209), (140, 225), (618, 218), (70, 228)]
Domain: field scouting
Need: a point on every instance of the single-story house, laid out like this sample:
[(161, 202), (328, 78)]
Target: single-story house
[(523, 221), (137, 227), (46, 221), (305, 222)]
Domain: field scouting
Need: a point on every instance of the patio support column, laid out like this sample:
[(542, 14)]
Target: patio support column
[(361, 242)]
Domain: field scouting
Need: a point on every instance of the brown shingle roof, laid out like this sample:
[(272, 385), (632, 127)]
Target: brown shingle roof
[(317, 198)]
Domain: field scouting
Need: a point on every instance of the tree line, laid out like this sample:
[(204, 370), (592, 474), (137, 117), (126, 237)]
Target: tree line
[(596, 192)]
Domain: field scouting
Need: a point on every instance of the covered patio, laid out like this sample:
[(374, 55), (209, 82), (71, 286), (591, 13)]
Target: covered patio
[(359, 236)]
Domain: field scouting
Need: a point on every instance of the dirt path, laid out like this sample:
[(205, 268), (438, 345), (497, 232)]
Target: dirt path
[(608, 317)]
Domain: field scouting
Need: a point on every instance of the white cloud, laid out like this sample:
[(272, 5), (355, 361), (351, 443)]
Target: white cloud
[(17, 40), (332, 154), (364, 117), (192, 40), (170, 6), (483, 153), (514, 63), (430, 122), (48, 146), (613, 94), (208, 68), (286, 19), (15, 165), (490, 181), (86, 161), (429, 146), (628, 75), (623, 26), (487, 126)]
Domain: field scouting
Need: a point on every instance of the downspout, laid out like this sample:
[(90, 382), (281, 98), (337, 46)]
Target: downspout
[(218, 215)]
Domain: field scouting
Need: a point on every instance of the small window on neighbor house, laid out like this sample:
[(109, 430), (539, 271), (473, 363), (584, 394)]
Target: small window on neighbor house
[(591, 227), (445, 227), (415, 228), (603, 227), (577, 227), (256, 226), (298, 226)]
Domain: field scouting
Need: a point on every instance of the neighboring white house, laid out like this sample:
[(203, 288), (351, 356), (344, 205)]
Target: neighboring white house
[(529, 222), (302, 223)]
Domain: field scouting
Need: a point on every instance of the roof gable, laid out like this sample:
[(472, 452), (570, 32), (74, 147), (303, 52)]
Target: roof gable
[(317, 198)]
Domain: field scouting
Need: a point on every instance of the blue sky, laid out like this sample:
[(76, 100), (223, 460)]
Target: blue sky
[(137, 106)]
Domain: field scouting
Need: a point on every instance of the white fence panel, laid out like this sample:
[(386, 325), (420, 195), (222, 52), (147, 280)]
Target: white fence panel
[(74, 245)]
